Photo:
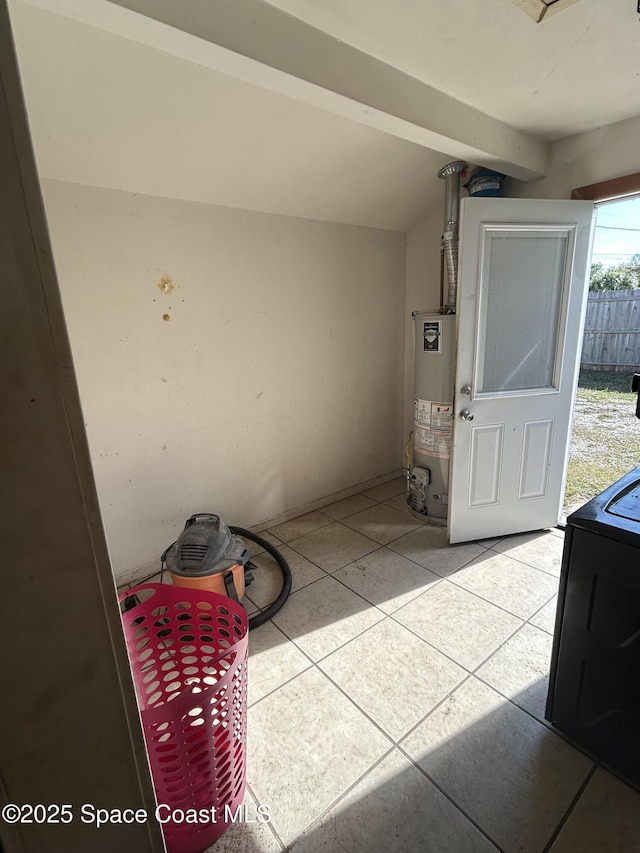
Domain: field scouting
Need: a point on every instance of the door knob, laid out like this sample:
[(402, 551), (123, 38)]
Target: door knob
[(466, 390), (466, 415)]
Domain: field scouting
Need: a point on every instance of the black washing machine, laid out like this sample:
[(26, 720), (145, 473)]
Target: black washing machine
[(594, 690)]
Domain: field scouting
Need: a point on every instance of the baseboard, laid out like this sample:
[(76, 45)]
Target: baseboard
[(130, 576), (329, 499), (135, 575)]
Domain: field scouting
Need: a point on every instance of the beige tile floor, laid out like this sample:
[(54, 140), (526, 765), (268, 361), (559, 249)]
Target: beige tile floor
[(396, 702)]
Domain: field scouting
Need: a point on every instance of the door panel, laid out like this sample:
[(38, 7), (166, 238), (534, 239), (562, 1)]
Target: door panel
[(486, 456), (536, 456), (520, 311)]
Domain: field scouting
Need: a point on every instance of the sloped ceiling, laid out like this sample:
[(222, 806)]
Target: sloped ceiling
[(111, 107), (109, 112), (575, 71)]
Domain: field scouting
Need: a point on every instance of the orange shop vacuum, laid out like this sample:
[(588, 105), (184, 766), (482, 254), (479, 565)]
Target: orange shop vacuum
[(210, 555)]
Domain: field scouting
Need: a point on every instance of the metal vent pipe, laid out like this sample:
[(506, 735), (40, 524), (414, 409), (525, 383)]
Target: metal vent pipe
[(449, 243)]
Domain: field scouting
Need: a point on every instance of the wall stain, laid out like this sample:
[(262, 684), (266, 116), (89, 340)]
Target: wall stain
[(166, 285), (166, 317)]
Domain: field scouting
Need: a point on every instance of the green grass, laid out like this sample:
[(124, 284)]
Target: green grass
[(605, 381), (585, 480), (605, 441)]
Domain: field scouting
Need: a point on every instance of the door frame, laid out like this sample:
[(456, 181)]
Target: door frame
[(611, 190), (615, 188)]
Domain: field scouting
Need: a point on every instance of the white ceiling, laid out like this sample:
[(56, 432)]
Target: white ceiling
[(576, 70), (108, 112), (152, 112)]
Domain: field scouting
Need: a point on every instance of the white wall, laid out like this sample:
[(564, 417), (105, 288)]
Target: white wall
[(107, 111), (277, 380), (422, 294), (602, 154)]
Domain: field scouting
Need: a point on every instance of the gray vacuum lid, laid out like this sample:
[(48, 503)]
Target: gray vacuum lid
[(206, 546)]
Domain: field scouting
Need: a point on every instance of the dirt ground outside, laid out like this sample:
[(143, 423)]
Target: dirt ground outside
[(605, 440)]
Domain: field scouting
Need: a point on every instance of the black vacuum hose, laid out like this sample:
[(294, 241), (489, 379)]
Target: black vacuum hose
[(275, 606), (268, 612)]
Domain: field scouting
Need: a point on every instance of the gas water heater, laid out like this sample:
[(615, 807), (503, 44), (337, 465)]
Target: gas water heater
[(428, 474), (435, 335)]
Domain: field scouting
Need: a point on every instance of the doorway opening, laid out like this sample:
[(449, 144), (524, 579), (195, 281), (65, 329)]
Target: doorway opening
[(604, 438)]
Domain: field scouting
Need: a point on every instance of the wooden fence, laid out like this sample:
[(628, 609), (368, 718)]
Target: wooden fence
[(612, 331)]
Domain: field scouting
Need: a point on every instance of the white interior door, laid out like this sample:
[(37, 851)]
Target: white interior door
[(520, 314)]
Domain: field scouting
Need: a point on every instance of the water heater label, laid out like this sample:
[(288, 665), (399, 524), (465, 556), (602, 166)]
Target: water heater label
[(431, 335), (432, 423), (441, 416)]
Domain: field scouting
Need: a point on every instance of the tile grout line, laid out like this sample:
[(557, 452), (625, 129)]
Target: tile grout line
[(304, 586), (380, 545), (357, 636), (396, 744), (574, 802), (411, 631), (266, 527), (392, 743), (392, 616), (325, 575), (436, 583), (388, 751), (469, 674), (448, 797), (360, 634), (330, 571), (316, 821), (338, 688), (315, 663), (487, 601), (549, 726), (533, 615), (524, 563), (418, 525), (418, 522), (271, 828), (289, 680), (430, 644), (372, 603)]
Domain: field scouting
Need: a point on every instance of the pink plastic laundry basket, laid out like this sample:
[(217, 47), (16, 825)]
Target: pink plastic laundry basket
[(188, 653)]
